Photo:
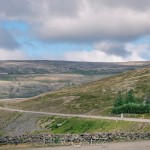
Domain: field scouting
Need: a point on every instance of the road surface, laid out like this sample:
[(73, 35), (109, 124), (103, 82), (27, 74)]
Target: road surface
[(141, 145), (114, 146), (76, 115), (12, 99)]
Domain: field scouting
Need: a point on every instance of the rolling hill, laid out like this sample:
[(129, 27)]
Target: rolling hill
[(24, 79), (94, 98)]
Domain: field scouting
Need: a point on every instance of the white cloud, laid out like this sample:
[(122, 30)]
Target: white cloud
[(91, 25), (12, 55), (93, 56), (136, 54), (138, 51)]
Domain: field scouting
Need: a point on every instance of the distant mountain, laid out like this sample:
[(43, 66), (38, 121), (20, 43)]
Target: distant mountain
[(85, 68), (22, 79)]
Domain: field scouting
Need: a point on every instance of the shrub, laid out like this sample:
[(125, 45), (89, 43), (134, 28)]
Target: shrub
[(131, 108), (130, 98), (118, 100)]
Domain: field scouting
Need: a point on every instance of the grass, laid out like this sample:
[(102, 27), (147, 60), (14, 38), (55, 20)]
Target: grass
[(96, 98), (57, 125), (6, 118), (1, 133)]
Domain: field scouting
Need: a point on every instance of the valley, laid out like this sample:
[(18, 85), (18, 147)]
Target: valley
[(68, 103), (24, 79), (96, 98)]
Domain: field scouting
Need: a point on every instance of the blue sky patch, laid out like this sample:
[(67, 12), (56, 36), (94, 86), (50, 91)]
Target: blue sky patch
[(15, 25)]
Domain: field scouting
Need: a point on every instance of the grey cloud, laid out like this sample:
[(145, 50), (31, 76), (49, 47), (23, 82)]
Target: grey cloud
[(15, 9), (20, 8), (29, 9), (130, 4), (95, 30), (6, 40), (113, 48), (104, 23), (63, 7), (81, 20)]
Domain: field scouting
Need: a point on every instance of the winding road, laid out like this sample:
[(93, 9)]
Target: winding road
[(76, 115)]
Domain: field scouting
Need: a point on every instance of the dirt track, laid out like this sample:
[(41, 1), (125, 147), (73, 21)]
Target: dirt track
[(76, 115)]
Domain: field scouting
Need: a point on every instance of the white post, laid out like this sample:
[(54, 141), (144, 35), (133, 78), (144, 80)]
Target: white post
[(121, 116)]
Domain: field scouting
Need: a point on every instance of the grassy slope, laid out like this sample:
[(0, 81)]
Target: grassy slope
[(80, 125), (96, 98), (25, 86), (49, 124), (6, 118)]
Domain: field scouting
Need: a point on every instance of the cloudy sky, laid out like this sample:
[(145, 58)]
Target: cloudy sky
[(77, 30)]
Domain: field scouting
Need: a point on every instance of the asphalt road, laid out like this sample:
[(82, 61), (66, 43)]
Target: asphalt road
[(113, 146), (77, 115), (140, 145)]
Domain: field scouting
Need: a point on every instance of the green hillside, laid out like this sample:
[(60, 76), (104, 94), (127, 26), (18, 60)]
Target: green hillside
[(57, 125), (94, 98)]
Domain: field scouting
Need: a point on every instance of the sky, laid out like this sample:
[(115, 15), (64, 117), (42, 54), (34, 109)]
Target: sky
[(75, 30)]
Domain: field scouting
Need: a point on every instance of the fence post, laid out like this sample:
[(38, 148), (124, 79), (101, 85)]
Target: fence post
[(44, 141)]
